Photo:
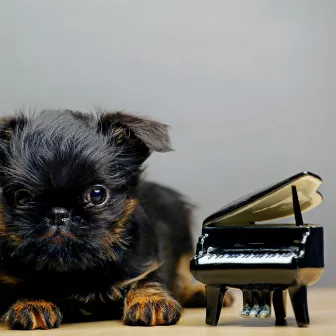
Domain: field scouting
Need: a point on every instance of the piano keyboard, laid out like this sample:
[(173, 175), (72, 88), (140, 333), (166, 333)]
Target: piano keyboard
[(247, 258)]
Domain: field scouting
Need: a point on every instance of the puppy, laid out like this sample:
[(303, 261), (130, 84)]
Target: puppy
[(82, 236)]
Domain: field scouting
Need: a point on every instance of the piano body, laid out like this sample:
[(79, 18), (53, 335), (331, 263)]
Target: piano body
[(237, 249)]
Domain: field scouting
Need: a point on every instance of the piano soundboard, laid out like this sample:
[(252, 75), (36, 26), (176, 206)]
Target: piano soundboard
[(240, 249)]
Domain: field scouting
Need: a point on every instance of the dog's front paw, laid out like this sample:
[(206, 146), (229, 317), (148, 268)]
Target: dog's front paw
[(150, 305), (34, 314)]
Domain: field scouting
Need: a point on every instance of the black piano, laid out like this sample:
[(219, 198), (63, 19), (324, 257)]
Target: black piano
[(241, 247)]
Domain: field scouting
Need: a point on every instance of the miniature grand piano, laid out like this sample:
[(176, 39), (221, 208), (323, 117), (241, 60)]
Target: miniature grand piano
[(264, 260)]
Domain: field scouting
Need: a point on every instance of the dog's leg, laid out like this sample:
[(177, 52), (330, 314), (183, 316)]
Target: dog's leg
[(32, 314), (149, 304)]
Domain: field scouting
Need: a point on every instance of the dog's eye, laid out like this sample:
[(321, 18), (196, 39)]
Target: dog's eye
[(97, 195), (22, 197)]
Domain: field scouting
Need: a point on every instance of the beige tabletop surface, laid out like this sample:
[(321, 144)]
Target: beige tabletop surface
[(322, 317)]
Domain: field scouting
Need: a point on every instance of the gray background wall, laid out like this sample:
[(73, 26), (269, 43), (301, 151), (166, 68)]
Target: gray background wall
[(248, 87)]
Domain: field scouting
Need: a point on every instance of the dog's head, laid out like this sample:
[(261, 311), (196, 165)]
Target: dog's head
[(68, 182)]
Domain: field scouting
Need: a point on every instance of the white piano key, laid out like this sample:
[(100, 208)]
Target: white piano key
[(250, 258)]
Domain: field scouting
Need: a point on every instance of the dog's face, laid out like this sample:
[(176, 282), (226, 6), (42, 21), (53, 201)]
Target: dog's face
[(68, 182)]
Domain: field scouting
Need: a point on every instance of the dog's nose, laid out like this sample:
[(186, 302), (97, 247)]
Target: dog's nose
[(59, 215)]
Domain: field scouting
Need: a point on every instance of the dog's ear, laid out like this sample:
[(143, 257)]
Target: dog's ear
[(138, 134), (9, 125)]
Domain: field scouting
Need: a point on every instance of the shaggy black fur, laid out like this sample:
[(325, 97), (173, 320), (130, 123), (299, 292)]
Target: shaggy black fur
[(79, 228)]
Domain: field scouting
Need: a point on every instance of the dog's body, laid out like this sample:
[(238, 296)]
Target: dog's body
[(82, 237)]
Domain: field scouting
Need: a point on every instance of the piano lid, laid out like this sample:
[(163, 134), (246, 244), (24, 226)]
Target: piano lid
[(273, 202)]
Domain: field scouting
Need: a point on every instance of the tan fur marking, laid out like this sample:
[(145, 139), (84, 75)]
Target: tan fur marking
[(150, 298), (69, 235), (35, 309), (85, 312), (14, 238), (129, 208), (82, 298), (10, 280), (183, 278), (120, 134), (41, 321), (114, 238), (186, 289), (115, 293), (3, 227), (150, 269), (59, 238), (48, 234), (35, 322)]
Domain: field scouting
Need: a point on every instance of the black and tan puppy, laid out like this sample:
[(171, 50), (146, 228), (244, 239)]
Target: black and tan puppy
[(82, 237)]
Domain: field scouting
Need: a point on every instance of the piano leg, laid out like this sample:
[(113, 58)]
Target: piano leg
[(265, 309), (214, 295), (257, 302), (279, 305), (298, 297), (247, 302)]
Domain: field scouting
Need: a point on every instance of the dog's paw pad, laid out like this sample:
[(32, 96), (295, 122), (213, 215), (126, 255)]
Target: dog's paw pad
[(29, 315)]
